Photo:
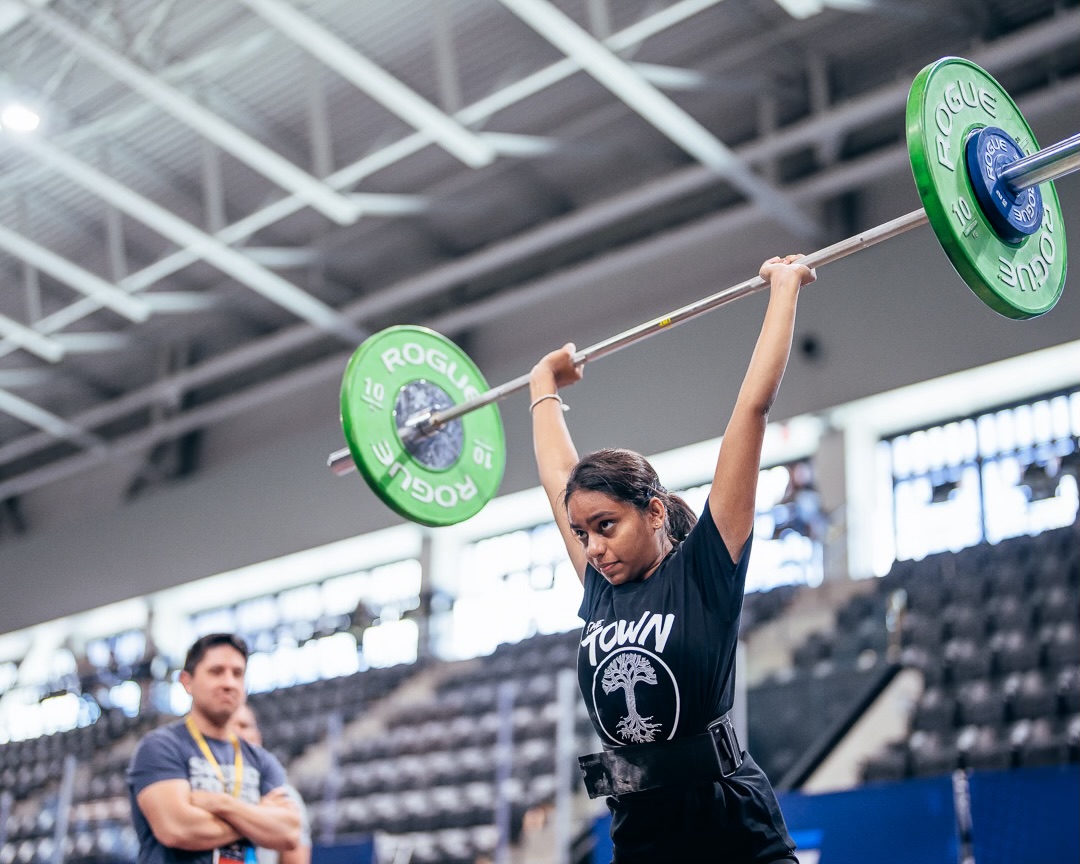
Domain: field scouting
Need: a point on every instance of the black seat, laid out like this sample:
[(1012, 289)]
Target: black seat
[(1049, 572), (1061, 645), (923, 629), (1014, 651), (936, 711), (1036, 743), (1068, 690), (963, 621), (967, 589), (1056, 604), (965, 660), (931, 754), (1030, 696), (1008, 612), (982, 749), (980, 704), (1006, 578), (925, 594)]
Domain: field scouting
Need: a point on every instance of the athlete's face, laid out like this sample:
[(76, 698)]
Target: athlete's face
[(217, 684), (623, 543)]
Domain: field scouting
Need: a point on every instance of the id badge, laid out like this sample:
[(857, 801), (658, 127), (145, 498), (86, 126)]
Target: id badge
[(235, 853)]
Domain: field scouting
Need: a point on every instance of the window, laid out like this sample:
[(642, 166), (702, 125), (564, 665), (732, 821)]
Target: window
[(789, 527), (312, 631), (511, 586), (289, 663), (1000, 474)]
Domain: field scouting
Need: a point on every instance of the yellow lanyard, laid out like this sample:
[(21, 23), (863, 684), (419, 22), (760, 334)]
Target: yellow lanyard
[(238, 762)]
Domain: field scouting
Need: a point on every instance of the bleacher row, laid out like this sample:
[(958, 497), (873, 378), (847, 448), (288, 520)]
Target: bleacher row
[(993, 630), (995, 633), (431, 778)]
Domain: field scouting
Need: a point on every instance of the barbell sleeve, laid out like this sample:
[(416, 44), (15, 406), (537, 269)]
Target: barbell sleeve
[(1051, 162)]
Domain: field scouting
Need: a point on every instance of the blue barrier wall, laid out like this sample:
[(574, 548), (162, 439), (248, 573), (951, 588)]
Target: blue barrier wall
[(351, 852), (893, 823), (1022, 816)]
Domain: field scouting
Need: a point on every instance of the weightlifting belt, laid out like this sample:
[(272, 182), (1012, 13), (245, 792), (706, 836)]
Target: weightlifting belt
[(704, 758)]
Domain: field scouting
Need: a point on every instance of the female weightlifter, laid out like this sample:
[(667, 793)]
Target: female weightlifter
[(663, 597)]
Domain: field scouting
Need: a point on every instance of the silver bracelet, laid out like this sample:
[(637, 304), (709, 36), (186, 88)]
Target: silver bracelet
[(554, 396)]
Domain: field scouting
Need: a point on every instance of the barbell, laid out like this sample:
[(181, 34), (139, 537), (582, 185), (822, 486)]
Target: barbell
[(421, 423)]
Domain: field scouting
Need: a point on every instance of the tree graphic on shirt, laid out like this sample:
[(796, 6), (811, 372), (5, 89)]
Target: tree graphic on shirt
[(622, 673)]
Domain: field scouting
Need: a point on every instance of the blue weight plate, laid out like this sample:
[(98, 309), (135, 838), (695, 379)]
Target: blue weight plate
[(1013, 215)]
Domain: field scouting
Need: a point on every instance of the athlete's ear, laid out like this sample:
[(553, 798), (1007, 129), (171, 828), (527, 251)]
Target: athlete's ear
[(657, 513)]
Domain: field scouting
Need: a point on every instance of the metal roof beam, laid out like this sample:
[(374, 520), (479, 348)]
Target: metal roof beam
[(522, 146), (320, 137), (285, 257), (479, 111), (197, 242), (253, 153), (13, 379), (375, 81), (92, 343), (1036, 40), (20, 336), (656, 108), (445, 56), (83, 281), (58, 427), (180, 301), (671, 77), (227, 58)]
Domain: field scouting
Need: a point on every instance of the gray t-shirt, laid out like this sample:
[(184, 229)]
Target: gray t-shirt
[(170, 753)]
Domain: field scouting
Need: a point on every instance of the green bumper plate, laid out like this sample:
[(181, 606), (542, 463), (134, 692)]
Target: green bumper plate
[(948, 101), (439, 480)]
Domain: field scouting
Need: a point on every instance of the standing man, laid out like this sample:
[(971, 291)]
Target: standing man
[(199, 795), (246, 726)]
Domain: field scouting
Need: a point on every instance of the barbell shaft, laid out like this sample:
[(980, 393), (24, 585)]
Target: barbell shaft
[(340, 462), (1050, 163)]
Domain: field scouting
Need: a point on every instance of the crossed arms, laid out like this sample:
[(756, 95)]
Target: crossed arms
[(197, 821)]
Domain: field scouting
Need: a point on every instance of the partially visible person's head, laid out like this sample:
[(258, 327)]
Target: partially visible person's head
[(244, 725), (214, 675), (624, 517), (203, 644)]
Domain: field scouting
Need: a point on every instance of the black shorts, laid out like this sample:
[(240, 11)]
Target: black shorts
[(733, 821)]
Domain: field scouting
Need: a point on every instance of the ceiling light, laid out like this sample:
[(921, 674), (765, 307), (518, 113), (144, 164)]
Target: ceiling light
[(19, 118)]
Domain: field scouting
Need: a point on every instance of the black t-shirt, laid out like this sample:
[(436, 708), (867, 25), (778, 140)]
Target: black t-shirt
[(657, 661), (657, 657)]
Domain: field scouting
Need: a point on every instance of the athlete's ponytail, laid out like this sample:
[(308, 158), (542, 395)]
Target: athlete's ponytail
[(680, 518)]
